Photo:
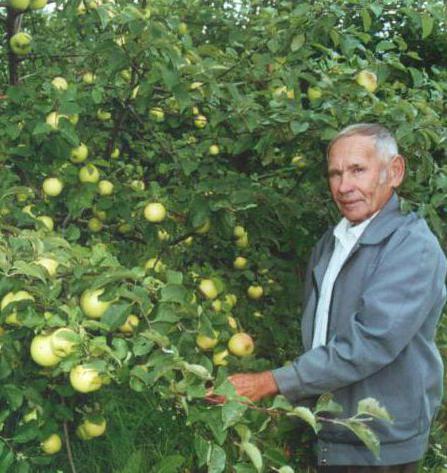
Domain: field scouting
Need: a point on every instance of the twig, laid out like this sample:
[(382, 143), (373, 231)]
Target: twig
[(68, 446)]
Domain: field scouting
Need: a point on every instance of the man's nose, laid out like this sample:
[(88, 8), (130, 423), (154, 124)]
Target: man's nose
[(345, 184)]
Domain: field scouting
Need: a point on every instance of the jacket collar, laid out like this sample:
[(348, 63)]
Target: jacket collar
[(385, 223)]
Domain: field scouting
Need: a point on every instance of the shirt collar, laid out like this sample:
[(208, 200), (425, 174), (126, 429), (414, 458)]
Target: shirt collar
[(345, 231)]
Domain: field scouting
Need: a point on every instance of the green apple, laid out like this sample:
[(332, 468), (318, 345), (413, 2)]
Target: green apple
[(103, 115), (95, 225), (42, 353), (64, 341), (216, 305), (298, 161), (88, 78), (85, 380), (314, 93), (255, 292), (208, 288), (155, 212), (241, 344), (163, 235), (91, 305), (81, 433), (10, 297), (105, 187), (200, 121), (157, 114), (89, 173), (232, 322), (73, 118), (51, 444), (59, 83), (367, 79), (214, 150), (38, 4), (79, 154), (231, 300), (130, 324), (46, 221), (20, 5), (54, 118), (21, 43), (52, 186), (240, 262), (49, 264), (206, 343), (126, 74)]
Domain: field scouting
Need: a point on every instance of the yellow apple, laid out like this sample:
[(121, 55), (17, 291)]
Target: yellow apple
[(59, 83), (206, 343), (88, 78), (91, 305), (115, 154), (239, 231), (137, 185), (204, 228), (157, 114), (155, 212), (232, 322), (255, 292), (154, 264), (81, 433), (79, 154), (231, 300), (51, 444), (216, 305), (298, 161), (105, 187), (367, 79), (38, 4), (241, 344), (219, 358), (49, 264), (95, 427), (53, 119), (242, 242), (95, 225), (240, 262), (42, 353), (208, 288), (182, 28), (130, 324), (46, 221), (73, 118), (52, 186), (200, 121), (85, 380), (163, 235), (103, 115), (214, 150), (314, 93), (20, 5), (64, 341), (89, 173), (10, 297)]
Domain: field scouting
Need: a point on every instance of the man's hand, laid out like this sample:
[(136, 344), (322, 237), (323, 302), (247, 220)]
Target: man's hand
[(254, 386)]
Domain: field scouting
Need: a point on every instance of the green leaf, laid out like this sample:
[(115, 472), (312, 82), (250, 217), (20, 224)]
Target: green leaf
[(13, 394), (232, 412), (26, 432), (243, 431), (280, 402), (254, 454), (427, 25), (371, 407), (298, 127), (305, 414), (201, 447), (365, 434), (174, 293), (366, 19), (326, 403), (115, 316), (29, 269), (197, 370), (217, 460), (286, 469), (170, 464), (297, 42)]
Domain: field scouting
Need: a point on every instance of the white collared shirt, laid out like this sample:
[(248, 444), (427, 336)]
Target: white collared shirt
[(346, 236)]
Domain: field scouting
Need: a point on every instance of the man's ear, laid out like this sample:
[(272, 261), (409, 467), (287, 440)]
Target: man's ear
[(396, 170)]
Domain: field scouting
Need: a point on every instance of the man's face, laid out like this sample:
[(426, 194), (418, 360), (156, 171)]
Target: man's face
[(359, 182)]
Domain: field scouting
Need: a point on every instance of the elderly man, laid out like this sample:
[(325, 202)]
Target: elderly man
[(374, 293)]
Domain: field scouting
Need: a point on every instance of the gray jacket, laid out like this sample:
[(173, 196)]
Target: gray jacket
[(386, 303)]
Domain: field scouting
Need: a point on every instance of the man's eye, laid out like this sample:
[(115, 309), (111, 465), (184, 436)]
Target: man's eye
[(358, 170)]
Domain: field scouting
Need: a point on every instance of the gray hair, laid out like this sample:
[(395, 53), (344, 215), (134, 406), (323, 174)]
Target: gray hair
[(385, 143)]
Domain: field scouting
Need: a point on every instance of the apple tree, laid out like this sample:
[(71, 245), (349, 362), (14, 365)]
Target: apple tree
[(162, 184)]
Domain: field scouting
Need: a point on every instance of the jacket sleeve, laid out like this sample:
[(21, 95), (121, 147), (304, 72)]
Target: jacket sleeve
[(399, 297)]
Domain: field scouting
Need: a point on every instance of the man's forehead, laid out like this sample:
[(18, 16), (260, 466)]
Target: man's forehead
[(353, 147)]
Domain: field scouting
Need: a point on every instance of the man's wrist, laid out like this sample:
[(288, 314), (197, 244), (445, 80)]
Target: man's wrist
[(269, 384)]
